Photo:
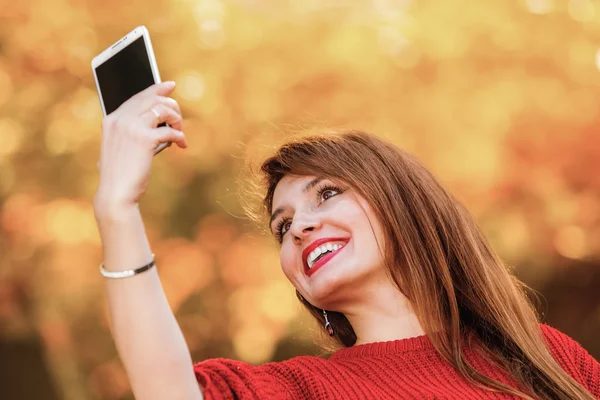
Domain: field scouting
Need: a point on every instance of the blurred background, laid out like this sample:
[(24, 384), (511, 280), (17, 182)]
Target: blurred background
[(499, 98)]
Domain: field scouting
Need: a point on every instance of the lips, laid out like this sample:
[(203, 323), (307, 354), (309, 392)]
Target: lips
[(309, 271)]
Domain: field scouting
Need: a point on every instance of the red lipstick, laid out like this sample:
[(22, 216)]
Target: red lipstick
[(325, 258)]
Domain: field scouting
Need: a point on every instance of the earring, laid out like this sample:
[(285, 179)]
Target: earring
[(327, 324)]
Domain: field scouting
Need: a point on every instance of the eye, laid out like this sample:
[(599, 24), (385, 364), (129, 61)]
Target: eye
[(328, 191), (327, 194), (285, 227), (282, 227)]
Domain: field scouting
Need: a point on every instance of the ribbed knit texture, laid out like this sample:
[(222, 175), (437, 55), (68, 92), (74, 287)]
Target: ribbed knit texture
[(401, 369)]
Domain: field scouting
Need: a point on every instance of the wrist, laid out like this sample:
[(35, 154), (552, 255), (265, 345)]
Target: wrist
[(113, 211), (124, 241), (114, 218)]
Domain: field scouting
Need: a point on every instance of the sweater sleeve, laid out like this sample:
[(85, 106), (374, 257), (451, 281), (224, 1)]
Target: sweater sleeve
[(574, 359), (224, 379)]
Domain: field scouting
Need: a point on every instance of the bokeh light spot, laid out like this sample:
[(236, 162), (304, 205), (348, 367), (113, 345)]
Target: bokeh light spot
[(539, 6), (570, 242), (254, 343), (69, 223), (582, 10), (12, 137), (6, 86), (278, 301), (190, 86)]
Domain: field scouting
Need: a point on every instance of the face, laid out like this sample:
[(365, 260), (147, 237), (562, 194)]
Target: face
[(329, 240)]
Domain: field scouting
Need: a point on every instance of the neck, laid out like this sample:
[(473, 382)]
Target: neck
[(385, 315)]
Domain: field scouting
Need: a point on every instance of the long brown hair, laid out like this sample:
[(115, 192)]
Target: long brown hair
[(457, 285)]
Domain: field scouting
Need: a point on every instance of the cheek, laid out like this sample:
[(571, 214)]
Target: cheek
[(367, 231), (355, 216), (287, 260)]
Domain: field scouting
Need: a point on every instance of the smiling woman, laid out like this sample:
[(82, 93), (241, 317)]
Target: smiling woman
[(398, 272), (378, 251)]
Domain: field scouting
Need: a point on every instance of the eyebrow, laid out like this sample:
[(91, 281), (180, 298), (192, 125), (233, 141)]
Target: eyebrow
[(307, 188)]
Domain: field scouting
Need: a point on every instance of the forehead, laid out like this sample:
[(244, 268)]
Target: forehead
[(289, 187)]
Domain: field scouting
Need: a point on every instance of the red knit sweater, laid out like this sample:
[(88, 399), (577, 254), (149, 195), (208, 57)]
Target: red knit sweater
[(401, 369)]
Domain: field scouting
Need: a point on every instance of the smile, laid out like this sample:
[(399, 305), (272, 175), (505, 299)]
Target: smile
[(320, 252)]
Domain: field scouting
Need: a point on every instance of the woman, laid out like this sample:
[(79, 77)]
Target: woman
[(392, 266)]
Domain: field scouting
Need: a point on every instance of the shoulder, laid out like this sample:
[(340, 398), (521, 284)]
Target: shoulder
[(573, 358), (563, 348), (223, 378), (556, 336)]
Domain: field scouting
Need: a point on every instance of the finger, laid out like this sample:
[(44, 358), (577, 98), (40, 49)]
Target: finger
[(162, 89), (158, 89), (168, 134), (166, 101), (136, 101), (161, 113)]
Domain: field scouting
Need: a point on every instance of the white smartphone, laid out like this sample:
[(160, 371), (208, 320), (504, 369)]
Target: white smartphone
[(127, 67)]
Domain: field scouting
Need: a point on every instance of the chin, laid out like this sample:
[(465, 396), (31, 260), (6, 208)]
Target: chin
[(322, 294), (330, 289)]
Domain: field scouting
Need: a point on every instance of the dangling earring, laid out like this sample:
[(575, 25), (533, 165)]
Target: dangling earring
[(327, 324)]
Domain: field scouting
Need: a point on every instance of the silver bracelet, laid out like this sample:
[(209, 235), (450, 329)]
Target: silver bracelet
[(128, 272)]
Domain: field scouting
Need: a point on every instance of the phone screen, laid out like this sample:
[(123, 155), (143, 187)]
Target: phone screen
[(126, 73)]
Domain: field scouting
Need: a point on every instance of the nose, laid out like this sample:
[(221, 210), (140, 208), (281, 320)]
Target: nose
[(304, 224)]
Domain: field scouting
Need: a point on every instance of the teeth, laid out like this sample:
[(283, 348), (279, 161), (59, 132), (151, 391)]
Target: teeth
[(312, 257)]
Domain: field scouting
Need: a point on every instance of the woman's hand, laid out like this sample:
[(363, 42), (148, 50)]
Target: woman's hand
[(130, 135), (147, 336)]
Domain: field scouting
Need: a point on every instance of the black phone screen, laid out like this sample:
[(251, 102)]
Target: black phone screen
[(126, 73)]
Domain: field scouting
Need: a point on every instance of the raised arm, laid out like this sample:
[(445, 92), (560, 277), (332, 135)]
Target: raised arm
[(147, 336)]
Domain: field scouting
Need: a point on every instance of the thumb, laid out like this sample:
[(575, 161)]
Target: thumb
[(168, 134)]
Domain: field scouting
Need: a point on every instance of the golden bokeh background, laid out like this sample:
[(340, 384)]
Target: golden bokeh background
[(499, 98)]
